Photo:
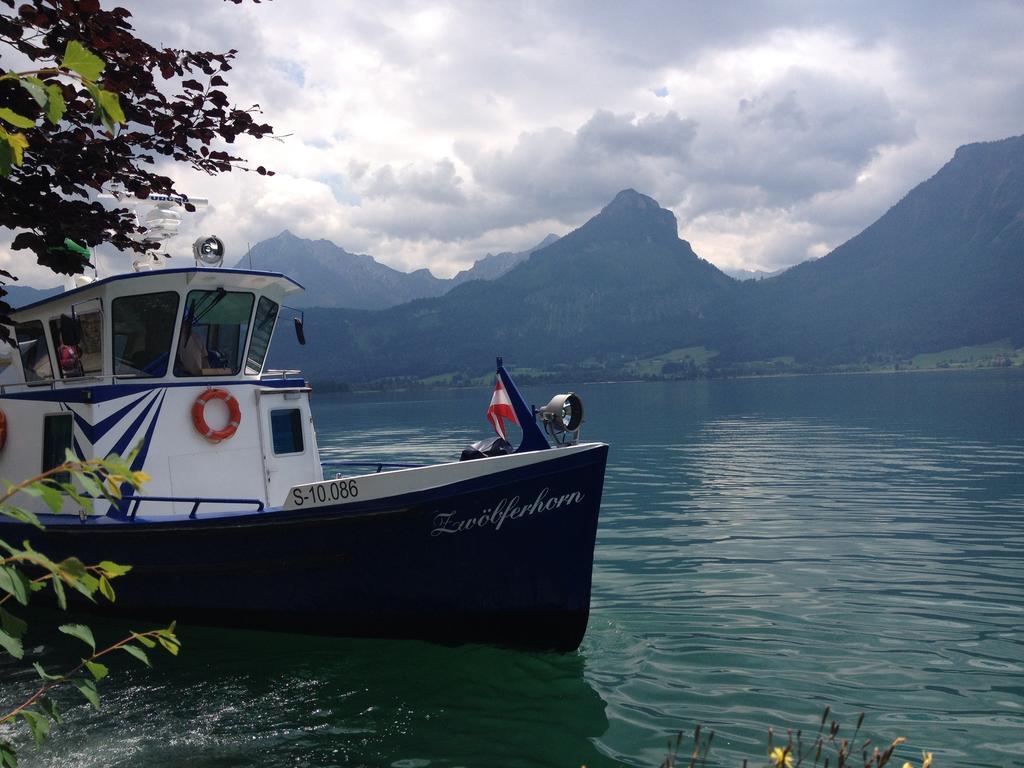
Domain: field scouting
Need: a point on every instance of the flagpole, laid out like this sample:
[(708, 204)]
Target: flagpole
[(533, 437)]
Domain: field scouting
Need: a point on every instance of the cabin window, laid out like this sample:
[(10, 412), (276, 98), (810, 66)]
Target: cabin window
[(34, 351), (56, 443), (143, 327), (78, 341), (262, 330), (286, 428), (213, 333)]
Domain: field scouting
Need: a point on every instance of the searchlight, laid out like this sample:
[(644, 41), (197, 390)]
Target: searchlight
[(562, 418), (209, 251)]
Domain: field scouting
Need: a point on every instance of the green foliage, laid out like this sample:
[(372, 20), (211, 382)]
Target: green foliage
[(44, 85), (691, 360), (85, 64), (25, 571), (995, 354)]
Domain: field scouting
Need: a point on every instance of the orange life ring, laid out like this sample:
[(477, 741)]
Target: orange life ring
[(199, 415), (3, 430)]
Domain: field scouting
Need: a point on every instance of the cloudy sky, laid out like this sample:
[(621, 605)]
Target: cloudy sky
[(428, 134)]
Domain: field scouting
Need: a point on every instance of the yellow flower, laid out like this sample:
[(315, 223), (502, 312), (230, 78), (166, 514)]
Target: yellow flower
[(781, 757), (140, 478), (907, 765), (114, 485)]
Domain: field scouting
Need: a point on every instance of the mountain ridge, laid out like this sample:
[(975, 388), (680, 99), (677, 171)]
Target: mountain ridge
[(941, 268), (334, 277)]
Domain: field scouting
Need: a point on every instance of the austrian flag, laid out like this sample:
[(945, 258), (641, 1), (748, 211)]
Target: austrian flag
[(501, 410)]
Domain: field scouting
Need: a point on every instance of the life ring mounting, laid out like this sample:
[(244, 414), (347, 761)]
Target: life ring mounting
[(199, 415)]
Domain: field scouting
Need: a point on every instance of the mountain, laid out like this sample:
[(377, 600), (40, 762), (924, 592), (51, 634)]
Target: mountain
[(943, 268), (333, 277), (622, 284), (23, 295), (495, 265)]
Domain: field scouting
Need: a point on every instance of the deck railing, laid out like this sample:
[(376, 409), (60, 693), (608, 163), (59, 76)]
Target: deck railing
[(132, 504), (380, 465)]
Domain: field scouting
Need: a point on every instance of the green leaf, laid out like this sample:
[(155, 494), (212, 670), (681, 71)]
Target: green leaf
[(111, 105), (18, 121), (99, 671), (54, 499), (100, 113), (73, 567), (55, 106), (143, 640), (87, 585), (115, 465), (112, 570), (37, 723), (35, 87), (106, 590), (81, 60), (137, 652), (88, 689), (11, 624), (11, 644), (91, 486), (171, 648), (58, 590), (8, 757), (9, 510), (43, 673), (17, 144), (80, 631), (14, 582), (49, 707)]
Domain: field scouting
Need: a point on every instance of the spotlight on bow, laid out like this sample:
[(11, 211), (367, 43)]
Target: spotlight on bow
[(209, 251), (562, 418)]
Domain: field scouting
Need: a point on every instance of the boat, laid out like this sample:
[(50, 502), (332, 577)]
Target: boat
[(241, 524)]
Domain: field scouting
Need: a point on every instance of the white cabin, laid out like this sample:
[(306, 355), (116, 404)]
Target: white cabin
[(121, 362)]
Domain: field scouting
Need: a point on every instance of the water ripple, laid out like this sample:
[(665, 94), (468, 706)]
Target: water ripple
[(766, 548)]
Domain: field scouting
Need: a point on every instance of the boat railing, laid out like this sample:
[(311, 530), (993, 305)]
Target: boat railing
[(380, 465), (132, 504), (285, 374)]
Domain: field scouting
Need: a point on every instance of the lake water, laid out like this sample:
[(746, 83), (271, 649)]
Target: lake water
[(766, 547)]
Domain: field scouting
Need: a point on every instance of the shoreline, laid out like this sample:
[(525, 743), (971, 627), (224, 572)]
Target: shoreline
[(341, 388)]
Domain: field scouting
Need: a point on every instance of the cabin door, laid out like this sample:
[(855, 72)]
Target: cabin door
[(290, 455)]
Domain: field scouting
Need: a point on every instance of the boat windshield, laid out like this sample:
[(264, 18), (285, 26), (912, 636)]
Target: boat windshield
[(214, 330), (143, 326)]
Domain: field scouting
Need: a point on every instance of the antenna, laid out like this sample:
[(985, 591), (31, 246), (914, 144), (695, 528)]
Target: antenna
[(160, 215), (248, 248)]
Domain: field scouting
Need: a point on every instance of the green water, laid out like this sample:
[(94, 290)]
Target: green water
[(766, 547)]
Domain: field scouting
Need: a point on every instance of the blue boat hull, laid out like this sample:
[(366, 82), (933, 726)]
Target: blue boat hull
[(504, 559)]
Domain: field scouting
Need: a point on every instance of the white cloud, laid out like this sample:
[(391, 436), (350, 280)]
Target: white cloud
[(428, 133)]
